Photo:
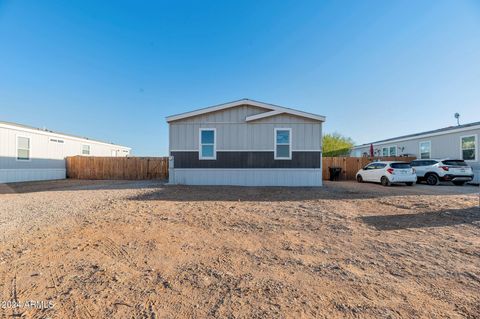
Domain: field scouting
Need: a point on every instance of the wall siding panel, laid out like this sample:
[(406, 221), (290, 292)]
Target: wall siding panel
[(233, 133), (247, 160), (248, 177)]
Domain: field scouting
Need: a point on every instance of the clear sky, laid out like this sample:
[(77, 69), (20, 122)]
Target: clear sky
[(114, 70)]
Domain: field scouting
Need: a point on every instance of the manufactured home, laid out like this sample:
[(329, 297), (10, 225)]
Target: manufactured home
[(455, 142), (246, 143), (29, 154)]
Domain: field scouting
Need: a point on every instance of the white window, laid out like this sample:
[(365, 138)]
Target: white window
[(283, 144), (385, 151), (393, 150), (208, 149), (85, 149), (23, 148), (469, 147), (425, 149)]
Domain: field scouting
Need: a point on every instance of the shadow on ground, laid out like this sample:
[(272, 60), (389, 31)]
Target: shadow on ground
[(443, 218), (157, 190), (330, 191), (75, 184)]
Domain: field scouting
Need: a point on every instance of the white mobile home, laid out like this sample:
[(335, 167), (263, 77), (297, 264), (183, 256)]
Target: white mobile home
[(246, 143), (28, 153), (455, 142)]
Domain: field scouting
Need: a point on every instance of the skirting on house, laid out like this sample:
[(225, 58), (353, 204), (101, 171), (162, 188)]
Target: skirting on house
[(33, 174), (247, 177)]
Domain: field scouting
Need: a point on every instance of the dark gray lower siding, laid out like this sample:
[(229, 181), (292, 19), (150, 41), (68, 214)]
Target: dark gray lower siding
[(257, 159)]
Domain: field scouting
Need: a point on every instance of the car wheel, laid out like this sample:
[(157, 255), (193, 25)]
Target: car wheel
[(458, 183), (384, 180), (409, 183), (359, 178), (432, 180)]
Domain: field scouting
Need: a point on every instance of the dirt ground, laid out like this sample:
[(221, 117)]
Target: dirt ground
[(144, 250)]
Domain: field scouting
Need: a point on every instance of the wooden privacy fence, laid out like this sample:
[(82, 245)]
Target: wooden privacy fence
[(137, 168), (129, 168), (351, 165)]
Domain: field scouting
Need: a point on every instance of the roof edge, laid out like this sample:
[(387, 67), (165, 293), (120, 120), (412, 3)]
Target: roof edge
[(441, 131), (39, 130), (223, 106)]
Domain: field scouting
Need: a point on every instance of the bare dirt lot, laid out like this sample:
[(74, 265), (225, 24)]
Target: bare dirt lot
[(143, 250)]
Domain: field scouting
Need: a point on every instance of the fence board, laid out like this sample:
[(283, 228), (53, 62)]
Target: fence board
[(138, 168), (131, 168), (351, 165)]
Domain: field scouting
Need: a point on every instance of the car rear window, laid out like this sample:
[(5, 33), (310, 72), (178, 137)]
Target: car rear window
[(400, 165), (455, 163)]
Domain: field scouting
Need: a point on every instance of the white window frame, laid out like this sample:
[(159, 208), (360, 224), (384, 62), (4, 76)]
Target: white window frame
[(200, 155), (396, 150), (290, 138), (29, 148), (388, 151), (89, 150), (429, 149), (476, 147)]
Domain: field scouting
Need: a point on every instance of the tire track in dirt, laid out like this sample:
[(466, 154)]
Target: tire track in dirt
[(14, 296), (110, 248)]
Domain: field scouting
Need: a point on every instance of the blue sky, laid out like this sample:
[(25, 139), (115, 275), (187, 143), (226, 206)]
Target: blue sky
[(114, 70)]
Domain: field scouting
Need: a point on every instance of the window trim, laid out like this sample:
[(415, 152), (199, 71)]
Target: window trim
[(388, 151), (396, 150), (429, 151), (388, 147), (275, 157), (89, 150), (200, 155), (476, 147), (29, 149)]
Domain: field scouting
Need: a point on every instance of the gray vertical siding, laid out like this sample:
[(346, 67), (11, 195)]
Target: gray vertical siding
[(234, 134), (244, 159)]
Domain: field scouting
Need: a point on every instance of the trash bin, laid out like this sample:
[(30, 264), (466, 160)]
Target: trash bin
[(335, 173)]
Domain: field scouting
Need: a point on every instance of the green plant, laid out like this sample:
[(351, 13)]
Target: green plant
[(336, 144)]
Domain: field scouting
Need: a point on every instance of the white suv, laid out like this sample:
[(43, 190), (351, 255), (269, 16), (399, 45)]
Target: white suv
[(387, 173), (435, 170)]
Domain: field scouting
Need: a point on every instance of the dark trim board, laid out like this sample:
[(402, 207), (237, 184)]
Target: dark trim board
[(247, 159)]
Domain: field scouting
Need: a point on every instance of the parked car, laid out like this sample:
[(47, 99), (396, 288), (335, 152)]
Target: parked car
[(433, 171), (387, 173)]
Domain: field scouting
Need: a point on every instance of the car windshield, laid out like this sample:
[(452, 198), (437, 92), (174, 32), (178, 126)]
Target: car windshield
[(400, 165), (455, 163)]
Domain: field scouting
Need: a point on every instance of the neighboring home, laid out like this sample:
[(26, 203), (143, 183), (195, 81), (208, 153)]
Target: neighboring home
[(28, 153), (456, 142), (246, 143)]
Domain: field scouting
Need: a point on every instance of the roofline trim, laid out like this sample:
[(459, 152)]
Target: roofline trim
[(420, 136), (262, 115), (220, 107), (56, 134)]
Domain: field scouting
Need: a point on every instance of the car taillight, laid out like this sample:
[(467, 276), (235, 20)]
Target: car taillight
[(390, 170), (445, 168)]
